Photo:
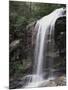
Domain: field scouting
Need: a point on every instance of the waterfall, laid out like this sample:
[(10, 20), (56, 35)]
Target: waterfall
[(45, 45)]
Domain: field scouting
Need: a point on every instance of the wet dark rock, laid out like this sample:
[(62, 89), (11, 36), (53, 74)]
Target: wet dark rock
[(59, 81), (60, 35)]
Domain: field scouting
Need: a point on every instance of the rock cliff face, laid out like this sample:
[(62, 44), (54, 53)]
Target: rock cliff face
[(60, 35)]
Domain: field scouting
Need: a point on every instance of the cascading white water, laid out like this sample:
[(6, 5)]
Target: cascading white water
[(44, 41)]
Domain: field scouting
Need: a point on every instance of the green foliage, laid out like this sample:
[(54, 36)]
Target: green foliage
[(23, 13)]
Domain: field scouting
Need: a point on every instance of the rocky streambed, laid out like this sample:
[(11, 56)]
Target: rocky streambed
[(58, 81)]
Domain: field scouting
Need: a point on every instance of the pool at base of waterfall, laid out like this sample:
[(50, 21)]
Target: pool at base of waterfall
[(38, 81)]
